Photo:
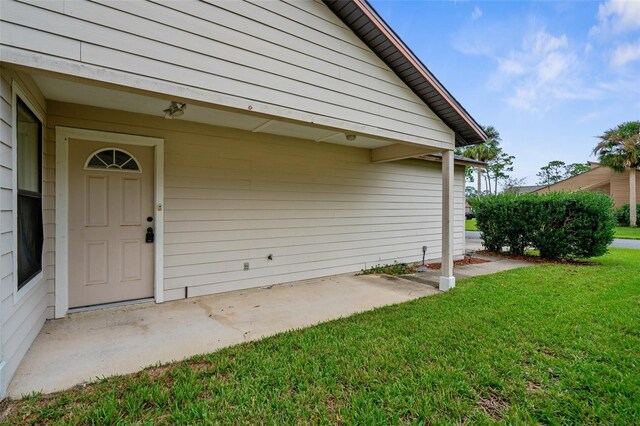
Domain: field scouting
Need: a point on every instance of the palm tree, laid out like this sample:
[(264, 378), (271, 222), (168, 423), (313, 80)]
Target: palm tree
[(486, 151), (619, 148)]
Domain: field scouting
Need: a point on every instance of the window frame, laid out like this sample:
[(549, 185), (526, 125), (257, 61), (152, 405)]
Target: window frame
[(113, 169), (20, 96)]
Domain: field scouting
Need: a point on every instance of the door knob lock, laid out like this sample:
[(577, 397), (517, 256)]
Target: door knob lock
[(149, 237)]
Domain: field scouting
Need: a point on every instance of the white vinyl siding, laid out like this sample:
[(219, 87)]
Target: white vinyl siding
[(22, 316), (233, 196), (292, 59)]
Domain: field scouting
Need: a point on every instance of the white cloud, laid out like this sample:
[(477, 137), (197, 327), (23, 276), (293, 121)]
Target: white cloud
[(510, 66), (544, 42), (476, 14), (617, 16), (626, 53), (542, 70), (553, 65)]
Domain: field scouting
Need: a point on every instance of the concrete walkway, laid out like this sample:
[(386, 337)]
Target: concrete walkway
[(622, 243), (123, 340)]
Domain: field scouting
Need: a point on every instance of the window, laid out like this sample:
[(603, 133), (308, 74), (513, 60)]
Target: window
[(113, 159), (29, 170)]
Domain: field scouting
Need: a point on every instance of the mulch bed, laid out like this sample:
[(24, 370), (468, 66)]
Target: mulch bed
[(536, 259)]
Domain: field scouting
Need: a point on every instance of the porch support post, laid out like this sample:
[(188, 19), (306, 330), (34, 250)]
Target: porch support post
[(447, 280)]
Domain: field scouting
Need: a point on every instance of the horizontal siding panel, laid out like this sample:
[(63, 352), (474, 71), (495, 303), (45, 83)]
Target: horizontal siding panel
[(280, 272), (219, 25), (294, 60), (5, 133), (288, 234), (6, 161), (278, 223), (38, 41), (160, 37), (233, 261), (6, 243), (274, 90), (5, 114), (16, 347)]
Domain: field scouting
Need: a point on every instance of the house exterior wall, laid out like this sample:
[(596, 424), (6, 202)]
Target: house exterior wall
[(292, 59), (620, 187), (614, 184), (22, 313), (233, 196)]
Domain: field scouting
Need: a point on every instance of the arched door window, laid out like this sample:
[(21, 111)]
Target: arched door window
[(112, 159)]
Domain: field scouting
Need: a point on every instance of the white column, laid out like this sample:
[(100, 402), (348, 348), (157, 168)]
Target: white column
[(633, 220), (447, 280)]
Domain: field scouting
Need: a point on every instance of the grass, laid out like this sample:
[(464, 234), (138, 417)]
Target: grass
[(470, 225), (555, 344), (628, 233)]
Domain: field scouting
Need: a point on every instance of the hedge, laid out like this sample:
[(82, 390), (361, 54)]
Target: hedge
[(558, 224), (623, 214)]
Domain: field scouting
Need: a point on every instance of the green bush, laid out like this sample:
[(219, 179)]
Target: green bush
[(559, 225), (622, 214)]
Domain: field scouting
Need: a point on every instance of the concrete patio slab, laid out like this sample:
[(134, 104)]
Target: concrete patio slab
[(123, 340), (493, 266), (106, 342)]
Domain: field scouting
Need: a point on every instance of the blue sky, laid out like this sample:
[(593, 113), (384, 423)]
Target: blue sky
[(550, 76)]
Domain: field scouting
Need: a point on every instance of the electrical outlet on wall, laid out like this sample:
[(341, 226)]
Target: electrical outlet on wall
[(246, 266)]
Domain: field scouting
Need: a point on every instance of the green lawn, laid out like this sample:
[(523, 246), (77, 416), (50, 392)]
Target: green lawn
[(553, 344), (470, 225), (628, 233)]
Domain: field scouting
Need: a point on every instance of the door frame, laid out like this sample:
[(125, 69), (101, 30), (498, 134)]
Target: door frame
[(63, 134)]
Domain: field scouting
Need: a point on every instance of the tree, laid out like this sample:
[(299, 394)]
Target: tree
[(470, 192), (485, 152), (551, 173), (497, 170), (557, 170), (619, 149), (575, 169)]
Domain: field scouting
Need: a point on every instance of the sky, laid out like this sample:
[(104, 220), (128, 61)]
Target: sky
[(549, 76)]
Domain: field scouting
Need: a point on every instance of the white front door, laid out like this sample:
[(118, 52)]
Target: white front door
[(110, 213)]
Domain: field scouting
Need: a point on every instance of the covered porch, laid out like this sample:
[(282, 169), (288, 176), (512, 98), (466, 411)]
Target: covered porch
[(231, 185), (240, 200)]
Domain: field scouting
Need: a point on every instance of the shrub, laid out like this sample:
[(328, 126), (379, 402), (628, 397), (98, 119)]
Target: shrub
[(559, 225), (623, 214)]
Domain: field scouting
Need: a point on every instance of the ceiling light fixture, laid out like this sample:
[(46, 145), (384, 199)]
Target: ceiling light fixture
[(176, 109), (351, 137)]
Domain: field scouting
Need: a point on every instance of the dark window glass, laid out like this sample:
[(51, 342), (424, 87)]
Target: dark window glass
[(113, 159), (29, 169)]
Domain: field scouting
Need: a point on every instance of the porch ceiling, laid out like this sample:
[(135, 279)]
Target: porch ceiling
[(98, 96)]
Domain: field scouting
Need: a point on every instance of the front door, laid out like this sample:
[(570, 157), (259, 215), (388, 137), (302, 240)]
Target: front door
[(110, 213)]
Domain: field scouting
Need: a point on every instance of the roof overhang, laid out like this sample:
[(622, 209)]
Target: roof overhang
[(457, 159), (365, 22)]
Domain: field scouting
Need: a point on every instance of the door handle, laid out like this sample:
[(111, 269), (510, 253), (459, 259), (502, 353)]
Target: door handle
[(149, 237)]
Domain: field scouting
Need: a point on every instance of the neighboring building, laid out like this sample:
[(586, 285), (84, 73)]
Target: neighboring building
[(293, 152), (601, 179), (525, 189)]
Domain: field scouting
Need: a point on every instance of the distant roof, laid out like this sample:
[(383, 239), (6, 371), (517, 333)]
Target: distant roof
[(526, 189), (365, 22)]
